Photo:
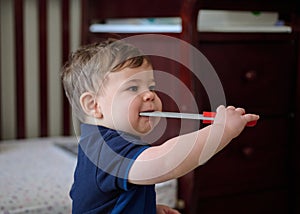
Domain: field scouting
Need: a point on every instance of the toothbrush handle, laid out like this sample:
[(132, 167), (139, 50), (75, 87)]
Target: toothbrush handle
[(213, 114)]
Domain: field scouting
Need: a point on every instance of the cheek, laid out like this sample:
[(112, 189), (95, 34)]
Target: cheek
[(125, 108), (134, 107), (158, 103)]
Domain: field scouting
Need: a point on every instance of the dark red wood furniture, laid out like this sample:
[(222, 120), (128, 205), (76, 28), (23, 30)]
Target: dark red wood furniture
[(259, 171)]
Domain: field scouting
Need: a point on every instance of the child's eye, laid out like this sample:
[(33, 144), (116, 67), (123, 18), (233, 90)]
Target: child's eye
[(133, 88), (152, 88)]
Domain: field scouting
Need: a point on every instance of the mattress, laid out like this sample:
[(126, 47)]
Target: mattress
[(36, 176)]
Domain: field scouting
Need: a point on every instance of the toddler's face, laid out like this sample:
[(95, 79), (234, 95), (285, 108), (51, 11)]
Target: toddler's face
[(125, 94)]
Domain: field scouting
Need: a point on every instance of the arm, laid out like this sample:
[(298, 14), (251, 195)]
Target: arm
[(182, 154)]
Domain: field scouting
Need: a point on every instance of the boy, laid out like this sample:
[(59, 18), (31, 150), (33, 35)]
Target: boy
[(108, 85)]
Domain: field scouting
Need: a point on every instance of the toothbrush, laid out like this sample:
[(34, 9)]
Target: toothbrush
[(207, 117)]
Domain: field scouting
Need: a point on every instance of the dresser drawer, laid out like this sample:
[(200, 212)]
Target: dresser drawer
[(256, 76), (256, 160), (264, 202)]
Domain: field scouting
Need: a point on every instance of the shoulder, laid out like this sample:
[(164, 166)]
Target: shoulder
[(109, 142)]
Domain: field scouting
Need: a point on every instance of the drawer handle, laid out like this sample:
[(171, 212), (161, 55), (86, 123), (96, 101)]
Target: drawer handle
[(248, 151), (251, 75)]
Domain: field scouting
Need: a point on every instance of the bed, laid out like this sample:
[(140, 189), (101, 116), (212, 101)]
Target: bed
[(36, 176)]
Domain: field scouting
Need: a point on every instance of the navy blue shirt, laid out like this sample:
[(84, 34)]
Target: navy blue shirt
[(100, 180)]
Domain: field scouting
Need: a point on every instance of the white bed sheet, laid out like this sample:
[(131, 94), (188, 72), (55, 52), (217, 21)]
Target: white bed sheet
[(35, 177)]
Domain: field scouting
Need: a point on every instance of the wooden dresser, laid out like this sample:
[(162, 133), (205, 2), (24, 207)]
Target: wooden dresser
[(259, 171)]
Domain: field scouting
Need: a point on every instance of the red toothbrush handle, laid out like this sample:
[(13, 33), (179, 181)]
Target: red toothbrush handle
[(213, 114)]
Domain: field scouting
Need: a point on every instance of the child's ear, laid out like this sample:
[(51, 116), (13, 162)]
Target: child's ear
[(89, 105)]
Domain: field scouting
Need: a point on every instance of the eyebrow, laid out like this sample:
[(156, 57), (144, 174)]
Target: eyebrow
[(139, 80)]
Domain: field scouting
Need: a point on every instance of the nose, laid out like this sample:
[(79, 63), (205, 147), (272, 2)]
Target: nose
[(148, 96)]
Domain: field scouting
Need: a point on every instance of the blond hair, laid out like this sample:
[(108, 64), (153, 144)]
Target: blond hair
[(87, 67)]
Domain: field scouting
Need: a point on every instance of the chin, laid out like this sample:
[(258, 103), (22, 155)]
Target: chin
[(142, 132)]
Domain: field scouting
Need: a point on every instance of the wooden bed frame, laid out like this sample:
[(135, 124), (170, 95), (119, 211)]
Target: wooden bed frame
[(18, 13)]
